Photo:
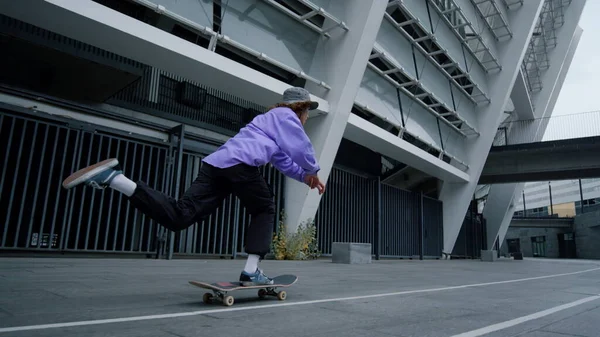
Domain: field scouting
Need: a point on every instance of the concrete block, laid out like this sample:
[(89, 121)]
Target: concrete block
[(351, 252), (489, 255)]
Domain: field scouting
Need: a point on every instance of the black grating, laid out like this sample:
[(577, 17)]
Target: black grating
[(472, 236), (348, 212), (41, 215)]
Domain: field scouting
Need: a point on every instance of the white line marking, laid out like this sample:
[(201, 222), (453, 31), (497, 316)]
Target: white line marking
[(263, 306), (513, 322)]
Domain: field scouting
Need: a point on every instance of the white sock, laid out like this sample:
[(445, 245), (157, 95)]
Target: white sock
[(251, 263), (123, 184)]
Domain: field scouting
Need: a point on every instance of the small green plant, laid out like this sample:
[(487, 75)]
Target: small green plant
[(301, 245)]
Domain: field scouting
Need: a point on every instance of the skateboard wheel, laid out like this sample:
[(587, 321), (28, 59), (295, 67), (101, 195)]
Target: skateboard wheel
[(207, 298), (281, 295), (262, 293), (228, 300)]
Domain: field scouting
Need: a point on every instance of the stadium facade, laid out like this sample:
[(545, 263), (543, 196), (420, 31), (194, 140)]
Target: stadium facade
[(411, 92)]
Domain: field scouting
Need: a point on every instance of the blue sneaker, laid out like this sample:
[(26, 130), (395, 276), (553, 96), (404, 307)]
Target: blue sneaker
[(97, 176), (254, 279)]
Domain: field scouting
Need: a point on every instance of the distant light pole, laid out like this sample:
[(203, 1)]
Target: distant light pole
[(551, 203), (581, 195), (524, 205)]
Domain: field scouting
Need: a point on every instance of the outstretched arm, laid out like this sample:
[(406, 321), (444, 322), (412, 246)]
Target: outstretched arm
[(284, 163), (288, 133)]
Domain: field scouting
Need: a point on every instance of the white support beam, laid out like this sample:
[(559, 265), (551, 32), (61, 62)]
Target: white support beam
[(457, 197), (521, 98), (500, 208), (100, 26), (341, 61)]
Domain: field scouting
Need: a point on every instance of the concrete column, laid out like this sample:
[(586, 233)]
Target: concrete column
[(457, 196), (340, 61), (499, 208)]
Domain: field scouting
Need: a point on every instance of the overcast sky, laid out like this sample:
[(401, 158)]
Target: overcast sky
[(579, 94), (580, 90)]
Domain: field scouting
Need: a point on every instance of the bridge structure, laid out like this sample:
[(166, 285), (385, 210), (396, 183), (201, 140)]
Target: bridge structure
[(546, 148)]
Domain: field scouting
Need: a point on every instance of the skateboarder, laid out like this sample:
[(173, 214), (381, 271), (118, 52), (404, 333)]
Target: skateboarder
[(275, 137)]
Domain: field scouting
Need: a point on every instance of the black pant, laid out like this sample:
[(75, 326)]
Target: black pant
[(207, 193)]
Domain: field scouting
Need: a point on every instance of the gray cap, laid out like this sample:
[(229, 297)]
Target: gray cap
[(297, 94)]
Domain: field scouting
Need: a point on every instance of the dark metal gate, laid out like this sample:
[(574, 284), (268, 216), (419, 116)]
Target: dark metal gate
[(39, 215), (396, 222), (347, 212), (472, 237)]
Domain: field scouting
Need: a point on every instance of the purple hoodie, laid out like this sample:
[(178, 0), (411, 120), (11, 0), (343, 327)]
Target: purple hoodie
[(275, 137)]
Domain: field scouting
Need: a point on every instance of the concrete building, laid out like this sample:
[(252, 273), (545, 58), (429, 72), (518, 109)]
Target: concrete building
[(411, 96), (576, 237), (562, 198)]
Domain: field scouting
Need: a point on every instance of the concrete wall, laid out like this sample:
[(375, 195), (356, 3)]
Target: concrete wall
[(525, 234), (587, 235)]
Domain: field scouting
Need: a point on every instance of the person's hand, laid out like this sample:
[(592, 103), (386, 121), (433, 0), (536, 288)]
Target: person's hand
[(320, 186), (313, 181)]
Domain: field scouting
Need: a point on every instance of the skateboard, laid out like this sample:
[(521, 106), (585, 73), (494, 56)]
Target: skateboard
[(220, 289)]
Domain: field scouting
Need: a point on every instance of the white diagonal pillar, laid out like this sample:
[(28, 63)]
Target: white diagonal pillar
[(457, 196), (340, 61), (499, 208)]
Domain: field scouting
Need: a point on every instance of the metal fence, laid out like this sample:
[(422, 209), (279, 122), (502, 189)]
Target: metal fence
[(433, 229), (38, 214), (41, 215), (472, 236), (347, 212), (412, 224), (572, 126), (397, 223)]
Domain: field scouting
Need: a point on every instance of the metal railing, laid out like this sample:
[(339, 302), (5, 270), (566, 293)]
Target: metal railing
[(336, 221), (468, 33), (39, 215), (544, 39), (173, 97), (310, 11), (572, 126), (387, 67), (494, 18), (414, 31), (356, 208), (224, 39)]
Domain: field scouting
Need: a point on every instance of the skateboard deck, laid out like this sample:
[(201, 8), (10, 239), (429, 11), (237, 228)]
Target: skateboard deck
[(220, 290)]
